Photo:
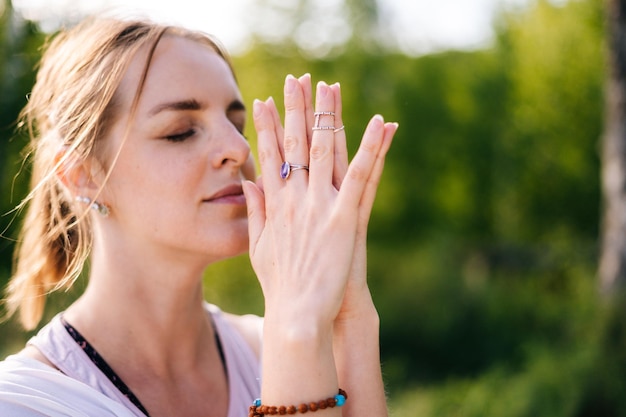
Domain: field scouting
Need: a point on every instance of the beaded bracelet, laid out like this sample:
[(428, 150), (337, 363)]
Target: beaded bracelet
[(259, 410)]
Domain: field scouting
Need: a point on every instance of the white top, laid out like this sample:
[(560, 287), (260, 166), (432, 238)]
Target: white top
[(30, 388)]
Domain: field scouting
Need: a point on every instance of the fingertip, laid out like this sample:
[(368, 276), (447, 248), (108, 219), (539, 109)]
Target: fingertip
[(322, 89), (393, 127), (377, 122), (270, 103), (258, 107), (246, 184), (252, 194), (290, 84)]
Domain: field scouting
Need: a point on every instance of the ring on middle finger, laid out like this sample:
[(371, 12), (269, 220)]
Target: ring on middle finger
[(318, 116)]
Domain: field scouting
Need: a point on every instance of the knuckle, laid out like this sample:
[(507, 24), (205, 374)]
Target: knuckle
[(369, 147), (263, 155), (319, 152), (290, 143), (373, 182), (293, 105), (357, 174)]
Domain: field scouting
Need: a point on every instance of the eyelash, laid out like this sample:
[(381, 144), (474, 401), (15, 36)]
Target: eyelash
[(179, 137)]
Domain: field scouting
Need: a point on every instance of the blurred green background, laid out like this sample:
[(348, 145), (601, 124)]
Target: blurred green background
[(484, 239)]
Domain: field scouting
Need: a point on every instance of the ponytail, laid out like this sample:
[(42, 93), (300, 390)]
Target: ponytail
[(52, 248)]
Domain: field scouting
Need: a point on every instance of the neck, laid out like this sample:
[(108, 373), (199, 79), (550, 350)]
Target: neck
[(152, 311)]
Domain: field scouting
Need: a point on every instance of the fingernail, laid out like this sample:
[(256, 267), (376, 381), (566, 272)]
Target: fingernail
[(256, 106), (245, 185), (377, 122), (290, 83), (322, 89)]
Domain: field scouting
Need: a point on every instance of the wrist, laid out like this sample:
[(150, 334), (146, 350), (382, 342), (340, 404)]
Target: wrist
[(359, 306), (367, 321), (297, 360)]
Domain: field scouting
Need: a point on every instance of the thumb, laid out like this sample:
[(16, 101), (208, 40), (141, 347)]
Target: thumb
[(255, 202)]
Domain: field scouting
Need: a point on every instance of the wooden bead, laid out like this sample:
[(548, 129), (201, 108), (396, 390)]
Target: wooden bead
[(259, 410)]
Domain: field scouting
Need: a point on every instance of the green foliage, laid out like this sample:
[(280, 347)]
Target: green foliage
[(484, 235), (19, 51)]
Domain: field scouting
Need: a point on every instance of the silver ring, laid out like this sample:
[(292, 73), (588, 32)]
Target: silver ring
[(286, 168), (339, 129), (318, 115)]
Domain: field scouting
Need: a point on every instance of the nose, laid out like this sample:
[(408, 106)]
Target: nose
[(234, 149)]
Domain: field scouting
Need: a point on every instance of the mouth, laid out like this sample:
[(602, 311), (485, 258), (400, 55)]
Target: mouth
[(232, 194)]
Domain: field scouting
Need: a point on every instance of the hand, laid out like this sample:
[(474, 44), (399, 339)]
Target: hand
[(304, 230), (357, 296)]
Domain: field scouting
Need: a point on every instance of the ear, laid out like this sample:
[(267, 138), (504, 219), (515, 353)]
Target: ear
[(74, 172)]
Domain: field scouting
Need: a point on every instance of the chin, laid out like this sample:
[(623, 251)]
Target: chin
[(234, 245)]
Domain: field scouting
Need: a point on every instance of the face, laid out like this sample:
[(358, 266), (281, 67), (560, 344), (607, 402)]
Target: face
[(175, 187)]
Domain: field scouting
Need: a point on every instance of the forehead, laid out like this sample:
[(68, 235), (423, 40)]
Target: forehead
[(179, 69)]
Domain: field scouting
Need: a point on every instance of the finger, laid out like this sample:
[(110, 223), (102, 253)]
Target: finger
[(255, 203), (295, 141), (369, 193), (278, 127), (305, 82), (362, 165), (341, 147), (267, 146), (322, 144)]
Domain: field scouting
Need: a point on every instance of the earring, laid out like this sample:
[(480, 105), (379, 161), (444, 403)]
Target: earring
[(102, 209)]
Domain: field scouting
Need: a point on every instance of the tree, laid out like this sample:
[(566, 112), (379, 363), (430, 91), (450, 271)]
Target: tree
[(612, 267)]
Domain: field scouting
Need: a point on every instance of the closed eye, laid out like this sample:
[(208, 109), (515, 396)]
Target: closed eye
[(179, 137)]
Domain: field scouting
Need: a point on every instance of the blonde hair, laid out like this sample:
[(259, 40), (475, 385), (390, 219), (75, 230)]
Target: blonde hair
[(71, 107)]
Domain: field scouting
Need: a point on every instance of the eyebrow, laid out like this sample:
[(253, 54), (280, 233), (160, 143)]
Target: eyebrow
[(182, 105), (191, 104)]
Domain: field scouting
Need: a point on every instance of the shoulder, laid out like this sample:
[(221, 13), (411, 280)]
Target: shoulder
[(30, 387), (32, 352), (250, 327)]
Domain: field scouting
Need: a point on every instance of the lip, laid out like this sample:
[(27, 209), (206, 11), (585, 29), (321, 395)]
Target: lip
[(231, 194)]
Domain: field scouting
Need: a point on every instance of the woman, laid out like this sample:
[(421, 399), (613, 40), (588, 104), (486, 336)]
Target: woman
[(143, 124)]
